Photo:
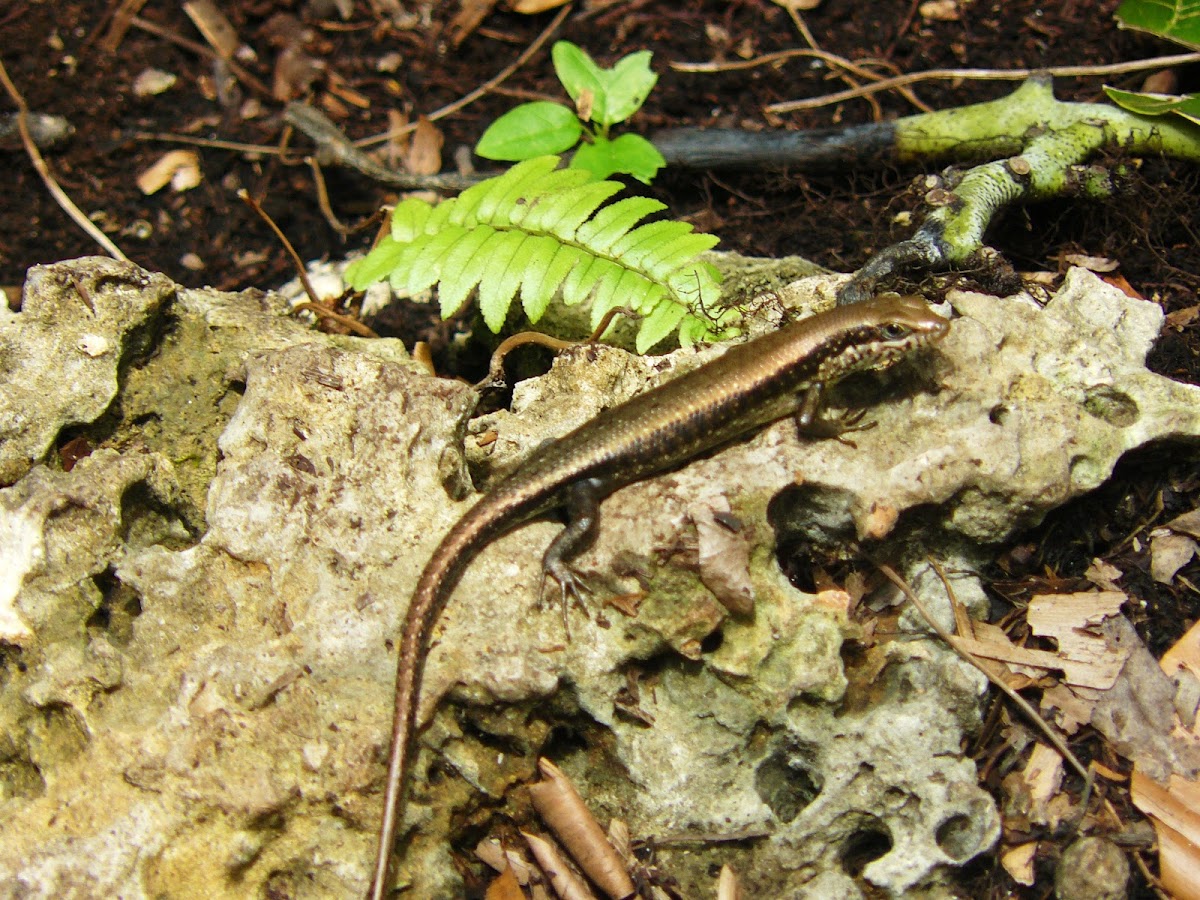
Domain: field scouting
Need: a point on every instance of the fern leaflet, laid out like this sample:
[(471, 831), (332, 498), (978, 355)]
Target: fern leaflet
[(537, 232)]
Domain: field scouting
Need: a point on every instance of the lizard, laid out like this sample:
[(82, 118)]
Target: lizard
[(784, 372)]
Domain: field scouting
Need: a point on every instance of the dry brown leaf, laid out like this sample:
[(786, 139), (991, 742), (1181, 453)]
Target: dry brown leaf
[(179, 168), (991, 642), (1137, 714), (566, 883), (940, 11), (212, 24), (565, 814), (295, 73), (466, 20), (532, 7), (724, 556), (424, 155), (1184, 654), (1072, 620), (1018, 862), (1175, 812), (1169, 552), (727, 885), (493, 853), (505, 887), (1188, 523), (1181, 318), (1073, 705), (1091, 263), (1104, 575)]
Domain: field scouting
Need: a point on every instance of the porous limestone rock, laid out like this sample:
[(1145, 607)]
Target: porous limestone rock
[(199, 617)]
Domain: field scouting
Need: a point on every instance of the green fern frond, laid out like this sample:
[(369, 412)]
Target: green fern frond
[(538, 232)]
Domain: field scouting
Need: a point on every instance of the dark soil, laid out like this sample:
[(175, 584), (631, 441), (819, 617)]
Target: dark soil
[(55, 53)]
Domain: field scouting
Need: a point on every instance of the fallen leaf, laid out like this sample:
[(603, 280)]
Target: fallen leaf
[(505, 887), (424, 155), (724, 556), (1175, 812), (1018, 862), (1169, 553), (179, 168), (466, 20)]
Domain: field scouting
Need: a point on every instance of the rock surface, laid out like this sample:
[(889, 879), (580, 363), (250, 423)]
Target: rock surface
[(197, 619)]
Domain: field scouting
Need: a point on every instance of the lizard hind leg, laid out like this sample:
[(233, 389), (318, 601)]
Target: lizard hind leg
[(582, 504)]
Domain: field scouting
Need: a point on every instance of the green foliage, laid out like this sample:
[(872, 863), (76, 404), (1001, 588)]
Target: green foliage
[(603, 98), (1143, 104), (1175, 20), (539, 231)]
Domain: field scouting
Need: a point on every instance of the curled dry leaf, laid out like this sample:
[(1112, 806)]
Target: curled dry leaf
[(424, 156), (567, 884), (505, 887), (533, 7), (724, 556), (217, 30), (565, 814), (1175, 808), (727, 885), (179, 168)]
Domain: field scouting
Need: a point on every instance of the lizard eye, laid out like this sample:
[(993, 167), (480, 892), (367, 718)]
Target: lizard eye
[(893, 331)]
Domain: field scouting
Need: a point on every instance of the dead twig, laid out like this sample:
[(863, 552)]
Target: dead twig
[(314, 303), (899, 81), (166, 34), (952, 642), (43, 170)]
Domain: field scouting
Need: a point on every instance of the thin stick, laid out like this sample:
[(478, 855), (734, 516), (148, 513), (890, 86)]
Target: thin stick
[(245, 197), (323, 199), (324, 312), (202, 50), (983, 75), (263, 149), (479, 91), (43, 170), (1059, 744)]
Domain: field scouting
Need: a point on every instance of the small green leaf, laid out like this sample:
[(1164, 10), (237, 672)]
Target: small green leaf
[(656, 326), (614, 220), (629, 154), (613, 95), (670, 255), (627, 84), (458, 277), (645, 238), (496, 290), (580, 76), (537, 299), (572, 208), (409, 218), (612, 292), (523, 178), (376, 265), (1187, 105), (534, 259), (426, 269), (529, 130), (1178, 20)]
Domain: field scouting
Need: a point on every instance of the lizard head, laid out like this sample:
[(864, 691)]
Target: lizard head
[(879, 333)]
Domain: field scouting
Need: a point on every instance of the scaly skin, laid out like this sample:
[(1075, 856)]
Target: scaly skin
[(752, 384)]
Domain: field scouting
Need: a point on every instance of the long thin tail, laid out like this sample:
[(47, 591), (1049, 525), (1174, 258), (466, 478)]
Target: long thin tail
[(434, 587)]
